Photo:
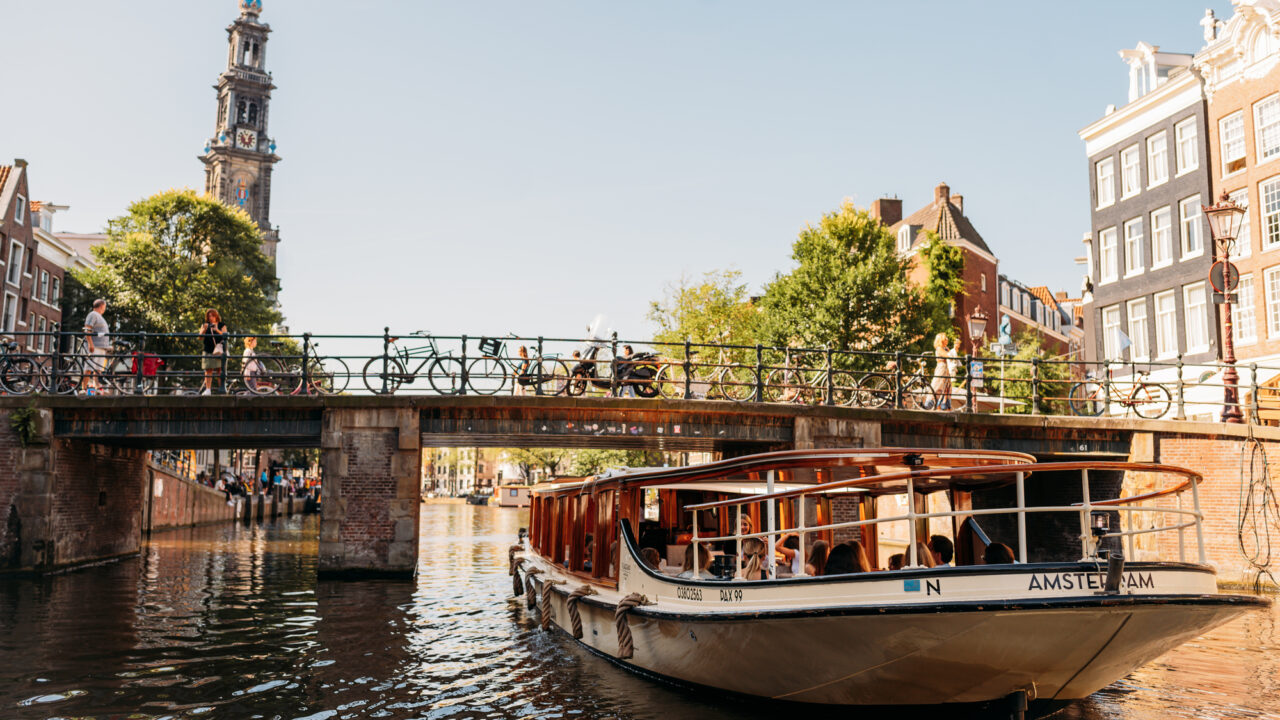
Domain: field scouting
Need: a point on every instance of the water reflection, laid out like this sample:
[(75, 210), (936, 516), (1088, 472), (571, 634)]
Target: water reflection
[(230, 622)]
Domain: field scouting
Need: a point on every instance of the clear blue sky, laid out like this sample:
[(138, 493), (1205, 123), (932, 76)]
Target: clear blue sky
[(487, 167)]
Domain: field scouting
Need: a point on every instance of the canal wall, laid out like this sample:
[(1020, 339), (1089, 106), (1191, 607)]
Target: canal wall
[(173, 501)]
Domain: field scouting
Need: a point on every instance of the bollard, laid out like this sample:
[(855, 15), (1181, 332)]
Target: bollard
[(275, 505), (261, 507), (248, 509)]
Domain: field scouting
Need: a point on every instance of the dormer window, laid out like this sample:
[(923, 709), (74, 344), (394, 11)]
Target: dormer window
[(904, 238), (20, 212)]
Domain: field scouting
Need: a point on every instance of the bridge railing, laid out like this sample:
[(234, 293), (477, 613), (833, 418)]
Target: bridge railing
[(387, 363)]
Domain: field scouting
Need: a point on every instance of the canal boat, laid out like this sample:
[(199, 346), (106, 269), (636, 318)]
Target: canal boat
[(516, 496), (1087, 596)]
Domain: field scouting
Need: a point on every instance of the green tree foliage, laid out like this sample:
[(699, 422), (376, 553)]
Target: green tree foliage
[(550, 460), (945, 265), (716, 310), (1016, 384), (595, 462), (172, 256), (849, 290)]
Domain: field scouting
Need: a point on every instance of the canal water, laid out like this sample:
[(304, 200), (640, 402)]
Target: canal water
[(230, 622)]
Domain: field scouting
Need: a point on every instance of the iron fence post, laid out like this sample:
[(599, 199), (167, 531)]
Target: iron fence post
[(386, 348), (1106, 387), (57, 362), (897, 379), (137, 363), (831, 381), (306, 369), (968, 383), (1035, 386), (688, 369), (1182, 392), (759, 395), (222, 364), (614, 366), (1253, 387), (462, 384), (537, 388)]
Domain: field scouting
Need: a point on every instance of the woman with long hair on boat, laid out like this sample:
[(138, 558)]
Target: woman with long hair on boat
[(861, 561), (704, 562), (789, 549), (753, 549), (845, 558), (817, 558), (924, 556)]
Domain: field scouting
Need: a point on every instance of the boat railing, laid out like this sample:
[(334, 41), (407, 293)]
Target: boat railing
[(1093, 515)]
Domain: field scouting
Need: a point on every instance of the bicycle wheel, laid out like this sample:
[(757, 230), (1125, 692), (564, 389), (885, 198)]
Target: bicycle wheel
[(670, 381), (486, 376), (20, 376), (874, 391), (328, 376), (68, 376), (1084, 400), (844, 389), (737, 384), (273, 379), (780, 385), (379, 378), (917, 394), (446, 376), (555, 376), (1151, 401)]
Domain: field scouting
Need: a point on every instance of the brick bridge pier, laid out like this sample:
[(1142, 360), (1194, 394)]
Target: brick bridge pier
[(73, 494)]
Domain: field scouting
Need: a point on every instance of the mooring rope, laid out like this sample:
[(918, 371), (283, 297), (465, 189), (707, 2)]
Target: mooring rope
[(574, 618), (1258, 511), (512, 561), (544, 602), (626, 647), (517, 588), (531, 592)]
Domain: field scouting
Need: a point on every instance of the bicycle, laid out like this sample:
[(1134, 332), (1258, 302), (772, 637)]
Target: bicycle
[(1146, 399), (19, 374), (728, 380), (323, 375), (385, 373), (877, 389), (490, 373), (806, 386), (115, 376)]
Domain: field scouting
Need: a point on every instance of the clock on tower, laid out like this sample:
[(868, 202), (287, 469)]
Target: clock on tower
[(247, 139)]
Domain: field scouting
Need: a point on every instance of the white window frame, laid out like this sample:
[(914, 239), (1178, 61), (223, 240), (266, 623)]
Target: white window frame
[(1269, 212), (1188, 223), (1244, 314), (1110, 322), (9, 319), (20, 211), (55, 291), (1105, 172), (1166, 317), (1134, 263), (1108, 271), (14, 274), (1243, 246), (1140, 350), (1186, 136), (44, 286), (1262, 151), (904, 239), (1231, 142), (1193, 299), (1158, 159), (1162, 237), (1271, 281), (1130, 160)]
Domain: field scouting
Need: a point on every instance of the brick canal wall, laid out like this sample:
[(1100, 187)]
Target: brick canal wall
[(174, 501)]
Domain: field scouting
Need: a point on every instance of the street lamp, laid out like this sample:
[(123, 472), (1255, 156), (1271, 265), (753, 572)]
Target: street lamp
[(1224, 219), (977, 328)]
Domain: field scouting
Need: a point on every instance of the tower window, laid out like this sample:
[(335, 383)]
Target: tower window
[(253, 113), (241, 111)]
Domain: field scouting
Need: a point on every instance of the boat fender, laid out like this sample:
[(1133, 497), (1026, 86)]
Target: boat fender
[(517, 588), (574, 618), (625, 647), (531, 592), (544, 602)]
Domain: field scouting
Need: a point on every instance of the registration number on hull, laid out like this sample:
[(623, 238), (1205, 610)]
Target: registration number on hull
[(725, 594)]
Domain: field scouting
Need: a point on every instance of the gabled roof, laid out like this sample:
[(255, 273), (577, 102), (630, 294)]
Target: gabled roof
[(1044, 295), (9, 181), (4, 175), (943, 217)]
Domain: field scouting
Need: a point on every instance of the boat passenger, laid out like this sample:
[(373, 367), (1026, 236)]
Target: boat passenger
[(817, 558), (789, 549), (847, 557), (998, 554), (753, 549), (897, 561), (924, 556), (587, 552), (651, 558), (943, 550), (704, 562)]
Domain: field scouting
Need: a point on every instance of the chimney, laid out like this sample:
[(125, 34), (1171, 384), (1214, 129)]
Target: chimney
[(19, 162), (887, 210), (942, 193), (958, 201)]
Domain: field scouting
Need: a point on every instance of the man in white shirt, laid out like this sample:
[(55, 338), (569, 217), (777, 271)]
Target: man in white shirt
[(97, 341), (943, 550)]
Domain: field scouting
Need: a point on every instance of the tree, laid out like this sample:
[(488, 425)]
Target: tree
[(530, 459), (945, 265), (849, 290), (1017, 382), (595, 462), (175, 254), (717, 310)]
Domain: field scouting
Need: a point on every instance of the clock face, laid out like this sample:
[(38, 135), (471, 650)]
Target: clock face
[(247, 139)]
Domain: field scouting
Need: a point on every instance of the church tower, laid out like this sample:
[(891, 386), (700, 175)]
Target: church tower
[(239, 157)]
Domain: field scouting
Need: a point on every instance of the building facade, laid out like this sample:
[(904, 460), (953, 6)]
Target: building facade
[(1034, 310), (1240, 65), (1147, 252), (240, 156), (32, 281)]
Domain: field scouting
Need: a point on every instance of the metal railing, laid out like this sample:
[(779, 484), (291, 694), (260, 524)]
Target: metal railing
[(387, 363)]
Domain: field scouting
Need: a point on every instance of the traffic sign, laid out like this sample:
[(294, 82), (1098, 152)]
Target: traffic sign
[(1219, 298), (1229, 282)]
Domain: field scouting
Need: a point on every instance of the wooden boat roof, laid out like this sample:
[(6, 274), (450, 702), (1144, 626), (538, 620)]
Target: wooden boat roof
[(800, 469)]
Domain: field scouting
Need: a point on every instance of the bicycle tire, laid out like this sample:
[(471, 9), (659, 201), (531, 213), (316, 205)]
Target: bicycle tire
[(917, 394), (874, 391), (844, 389), (1156, 404), (486, 375), (781, 382), (20, 376), (445, 375), (68, 378), (555, 376), (1083, 399), (379, 380), (737, 384), (328, 376), (274, 378)]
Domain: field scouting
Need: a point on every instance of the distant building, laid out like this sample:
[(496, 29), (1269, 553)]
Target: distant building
[(1037, 311), (1147, 252), (29, 276)]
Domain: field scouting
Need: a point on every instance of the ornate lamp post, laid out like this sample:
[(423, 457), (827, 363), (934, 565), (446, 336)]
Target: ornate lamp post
[(977, 329), (1224, 222)]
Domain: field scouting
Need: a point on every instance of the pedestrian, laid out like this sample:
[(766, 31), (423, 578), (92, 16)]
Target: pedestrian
[(252, 366), (98, 343), (944, 371), (213, 333), (625, 368), (523, 379)]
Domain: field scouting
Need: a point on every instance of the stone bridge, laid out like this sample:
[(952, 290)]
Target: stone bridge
[(69, 492)]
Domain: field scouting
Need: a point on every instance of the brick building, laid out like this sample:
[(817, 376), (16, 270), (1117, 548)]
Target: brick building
[(32, 278)]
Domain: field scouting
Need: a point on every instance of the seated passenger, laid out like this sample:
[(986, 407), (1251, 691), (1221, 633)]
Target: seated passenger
[(924, 556), (998, 554), (587, 552), (943, 550), (753, 567), (817, 558), (897, 561), (651, 558), (847, 557), (789, 549), (704, 562)]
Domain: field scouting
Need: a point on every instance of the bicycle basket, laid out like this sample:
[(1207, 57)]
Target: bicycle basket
[(491, 346)]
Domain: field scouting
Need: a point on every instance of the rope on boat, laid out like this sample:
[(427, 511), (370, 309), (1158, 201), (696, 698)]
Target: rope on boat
[(517, 588), (544, 602), (574, 618), (513, 563), (531, 592), (626, 647)]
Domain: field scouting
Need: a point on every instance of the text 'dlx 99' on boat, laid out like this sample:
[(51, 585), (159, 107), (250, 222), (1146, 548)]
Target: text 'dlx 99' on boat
[(761, 575)]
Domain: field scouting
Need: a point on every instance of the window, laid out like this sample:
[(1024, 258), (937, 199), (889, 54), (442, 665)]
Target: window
[(1231, 139), (1157, 159), (15, 262), (1196, 316), (41, 328), (1269, 192), (55, 292), (1004, 294), (1166, 325), (31, 259), (1106, 182), (1266, 128), (1133, 247), (44, 286), (1138, 329), (1186, 136), (1192, 239), (10, 317), (1244, 240), (1244, 319), (1107, 241), (1130, 174), (984, 282), (20, 212), (904, 238), (1111, 333), (1161, 238), (1272, 279)]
